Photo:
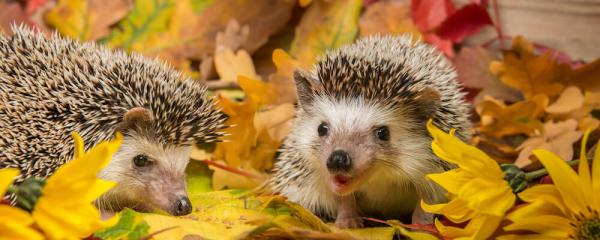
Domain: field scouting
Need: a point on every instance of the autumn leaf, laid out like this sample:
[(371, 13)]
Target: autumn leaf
[(464, 22), (283, 79), (570, 99), (472, 67), (428, 14), (86, 20), (388, 17), (586, 77), (325, 25), (230, 65), (556, 137), (130, 226), (11, 13), (529, 73), (498, 119)]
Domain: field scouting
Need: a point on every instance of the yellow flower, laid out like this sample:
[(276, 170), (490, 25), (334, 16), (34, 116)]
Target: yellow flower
[(65, 209), (14, 222), (477, 189), (568, 209)]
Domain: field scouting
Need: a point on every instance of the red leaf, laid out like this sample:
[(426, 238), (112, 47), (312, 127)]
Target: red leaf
[(464, 22), (441, 44), (33, 5), (428, 14)]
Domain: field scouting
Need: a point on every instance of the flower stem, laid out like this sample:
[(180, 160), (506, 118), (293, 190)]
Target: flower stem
[(543, 172)]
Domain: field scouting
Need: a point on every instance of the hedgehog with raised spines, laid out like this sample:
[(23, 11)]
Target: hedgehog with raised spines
[(359, 145), (51, 87)]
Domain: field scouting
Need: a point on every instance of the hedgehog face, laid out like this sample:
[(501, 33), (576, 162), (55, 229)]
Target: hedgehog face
[(149, 175), (352, 140)]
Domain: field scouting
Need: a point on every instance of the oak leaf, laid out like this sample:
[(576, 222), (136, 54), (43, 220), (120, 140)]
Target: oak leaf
[(556, 137), (529, 73), (498, 119)]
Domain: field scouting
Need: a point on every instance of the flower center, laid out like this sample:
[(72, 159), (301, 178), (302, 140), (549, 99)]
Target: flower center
[(589, 229)]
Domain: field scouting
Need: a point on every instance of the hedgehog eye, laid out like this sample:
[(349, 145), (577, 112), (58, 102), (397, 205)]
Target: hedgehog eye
[(323, 129), (383, 133), (141, 160)]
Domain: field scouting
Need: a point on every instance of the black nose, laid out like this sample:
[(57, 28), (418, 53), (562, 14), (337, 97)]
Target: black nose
[(182, 206), (339, 160)]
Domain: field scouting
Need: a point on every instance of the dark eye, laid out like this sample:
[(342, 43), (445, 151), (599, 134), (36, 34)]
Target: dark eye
[(383, 133), (141, 160), (323, 129)]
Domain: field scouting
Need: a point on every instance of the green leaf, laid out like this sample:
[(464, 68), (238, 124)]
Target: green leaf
[(145, 20), (130, 225), (325, 25), (198, 178)]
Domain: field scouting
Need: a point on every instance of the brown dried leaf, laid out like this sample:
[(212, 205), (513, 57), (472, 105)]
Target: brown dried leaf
[(556, 137), (388, 17), (570, 99), (531, 74), (472, 66), (499, 120)]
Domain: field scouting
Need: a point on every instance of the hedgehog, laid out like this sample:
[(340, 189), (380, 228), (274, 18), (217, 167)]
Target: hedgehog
[(51, 87), (359, 145)]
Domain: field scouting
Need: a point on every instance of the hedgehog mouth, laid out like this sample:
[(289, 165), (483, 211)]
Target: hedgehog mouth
[(343, 184)]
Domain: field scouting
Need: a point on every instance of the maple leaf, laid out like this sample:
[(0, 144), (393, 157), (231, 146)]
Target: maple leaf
[(499, 120), (464, 22), (428, 14), (388, 17), (555, 137), (86, 20), (325, 25), (531, 74)]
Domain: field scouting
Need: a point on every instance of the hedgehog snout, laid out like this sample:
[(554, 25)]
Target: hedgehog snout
[(339, 161), (182, 206)]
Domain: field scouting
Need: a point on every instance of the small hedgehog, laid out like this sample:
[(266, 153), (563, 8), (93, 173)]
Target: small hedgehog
[(51, 87), (359, 145)]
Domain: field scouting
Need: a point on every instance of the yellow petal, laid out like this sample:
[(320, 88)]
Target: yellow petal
[(544, 192), (565, 180), (456, 210), (14, 214), (534, 209), (584, 171), (596, 176), (483, 226), (12, 230), (79, 147), (7, 176), (489, 197), (452, 180), (547, 225)]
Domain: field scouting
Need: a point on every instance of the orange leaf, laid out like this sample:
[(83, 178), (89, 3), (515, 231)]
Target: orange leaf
[(529, 73), (499, 120)]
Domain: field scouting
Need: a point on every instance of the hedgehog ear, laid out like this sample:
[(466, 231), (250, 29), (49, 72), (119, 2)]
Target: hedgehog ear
[(303, 87), (428, 101), (136, 117)]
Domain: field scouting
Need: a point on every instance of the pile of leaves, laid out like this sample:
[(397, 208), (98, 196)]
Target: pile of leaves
[(525, 96)]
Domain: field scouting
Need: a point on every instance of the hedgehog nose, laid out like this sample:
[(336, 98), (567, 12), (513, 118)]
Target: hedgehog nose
[(183, 206), (339, 160)]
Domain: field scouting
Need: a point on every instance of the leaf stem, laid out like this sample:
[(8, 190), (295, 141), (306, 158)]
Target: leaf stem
[(543, 172)]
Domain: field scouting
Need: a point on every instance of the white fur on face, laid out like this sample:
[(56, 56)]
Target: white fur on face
[(158, 186), (398, 176)]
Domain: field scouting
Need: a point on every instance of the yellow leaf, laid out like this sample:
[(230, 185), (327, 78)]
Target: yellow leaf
[(70, 18), (229, 65), (325, 25), (529, 73), (500, 120), (86, 19), (283, 79)]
